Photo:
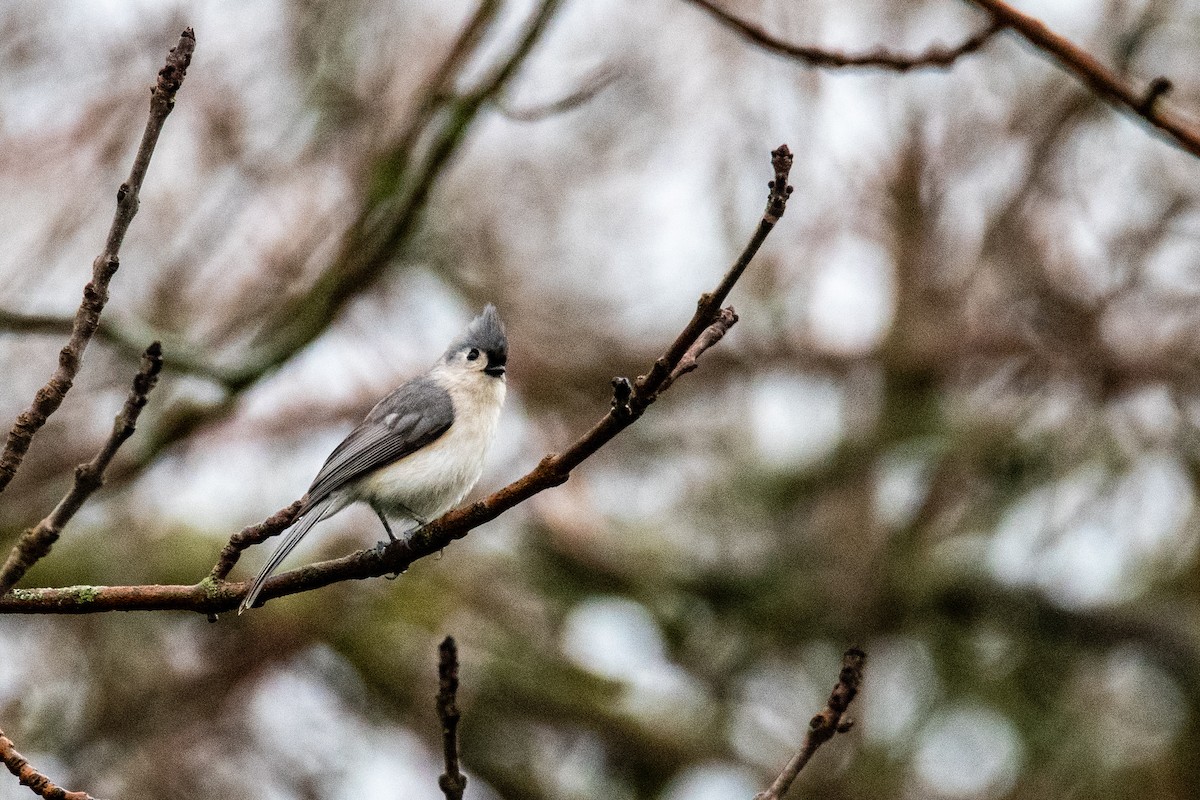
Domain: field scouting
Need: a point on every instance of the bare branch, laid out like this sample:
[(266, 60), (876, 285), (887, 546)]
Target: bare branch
[(593, 86), (273, 525), (36, 542), (453, 783), (936, 57), (127, 338), (27, 775), (712, 334), (95, 294), (211, 596), (1100, 79), (824, 725)]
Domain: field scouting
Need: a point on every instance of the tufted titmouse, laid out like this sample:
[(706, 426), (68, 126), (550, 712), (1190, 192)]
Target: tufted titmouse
[(420, 449)]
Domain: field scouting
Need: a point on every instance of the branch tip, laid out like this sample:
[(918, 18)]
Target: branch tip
[(825, 724), (781, 163), (95, 293)]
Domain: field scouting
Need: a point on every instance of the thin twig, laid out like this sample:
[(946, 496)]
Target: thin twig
[(27, 775), (712, 334), (452, 781), (936, 57), (36, 542), (273, 525), (128, 338), (213, 596), (593, 86), (824, 725), (1103, 81), (95, 294)]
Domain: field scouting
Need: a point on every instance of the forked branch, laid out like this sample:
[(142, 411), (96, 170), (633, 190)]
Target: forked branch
[(1100, 79), (35, 543), (95, 294), (936, 57)]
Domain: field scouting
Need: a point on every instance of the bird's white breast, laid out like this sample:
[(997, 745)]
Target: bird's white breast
[(434, 479)]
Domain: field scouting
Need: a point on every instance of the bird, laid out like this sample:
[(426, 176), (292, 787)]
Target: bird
[(419, 450)]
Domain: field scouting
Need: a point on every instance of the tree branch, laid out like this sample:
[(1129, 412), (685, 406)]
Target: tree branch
[(36, 542), (27, 775), (211, 595), (273, 525), (126, 338), (453, 783), (824, 725), (711, 335), (403, 184), (936, 57), (1103, 81), (593, 86), (95, 294)]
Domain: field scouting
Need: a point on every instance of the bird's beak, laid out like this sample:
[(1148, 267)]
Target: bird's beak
[(496, 371)]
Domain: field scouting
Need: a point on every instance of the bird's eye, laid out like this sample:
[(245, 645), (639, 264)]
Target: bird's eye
[(472, 354)]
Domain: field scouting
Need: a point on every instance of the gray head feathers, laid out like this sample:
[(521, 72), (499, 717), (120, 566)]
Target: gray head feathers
[(486, 333)]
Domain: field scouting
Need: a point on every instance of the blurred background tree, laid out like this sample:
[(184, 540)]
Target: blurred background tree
[(957, 423)]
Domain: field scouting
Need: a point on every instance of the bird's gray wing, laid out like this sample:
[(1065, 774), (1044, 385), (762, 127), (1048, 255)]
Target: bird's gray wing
[(406, 420)]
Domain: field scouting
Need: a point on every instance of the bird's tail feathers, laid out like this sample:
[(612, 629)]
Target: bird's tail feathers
[(312, 515)]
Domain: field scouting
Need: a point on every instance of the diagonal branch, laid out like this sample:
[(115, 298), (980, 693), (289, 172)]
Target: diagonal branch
[(273, 525), (211, 595), (27, 775), (1107, 84), (36, 542), (95, 294), (936, 57), (824, 725)]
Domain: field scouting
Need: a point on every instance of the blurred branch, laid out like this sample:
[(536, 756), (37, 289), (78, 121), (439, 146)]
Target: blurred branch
[(824, 725), (95, 294), (1103, 81), (402, 191), (584, 94), (399, 192), (212, 595), (453, 783), (936, 57), (36, 542), (126, 339), (27, 775)]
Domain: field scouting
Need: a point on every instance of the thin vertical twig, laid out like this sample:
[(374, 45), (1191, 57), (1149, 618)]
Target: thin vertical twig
[(453, 783)]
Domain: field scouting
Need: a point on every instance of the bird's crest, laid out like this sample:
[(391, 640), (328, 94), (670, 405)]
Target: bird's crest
[(486, 332)]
